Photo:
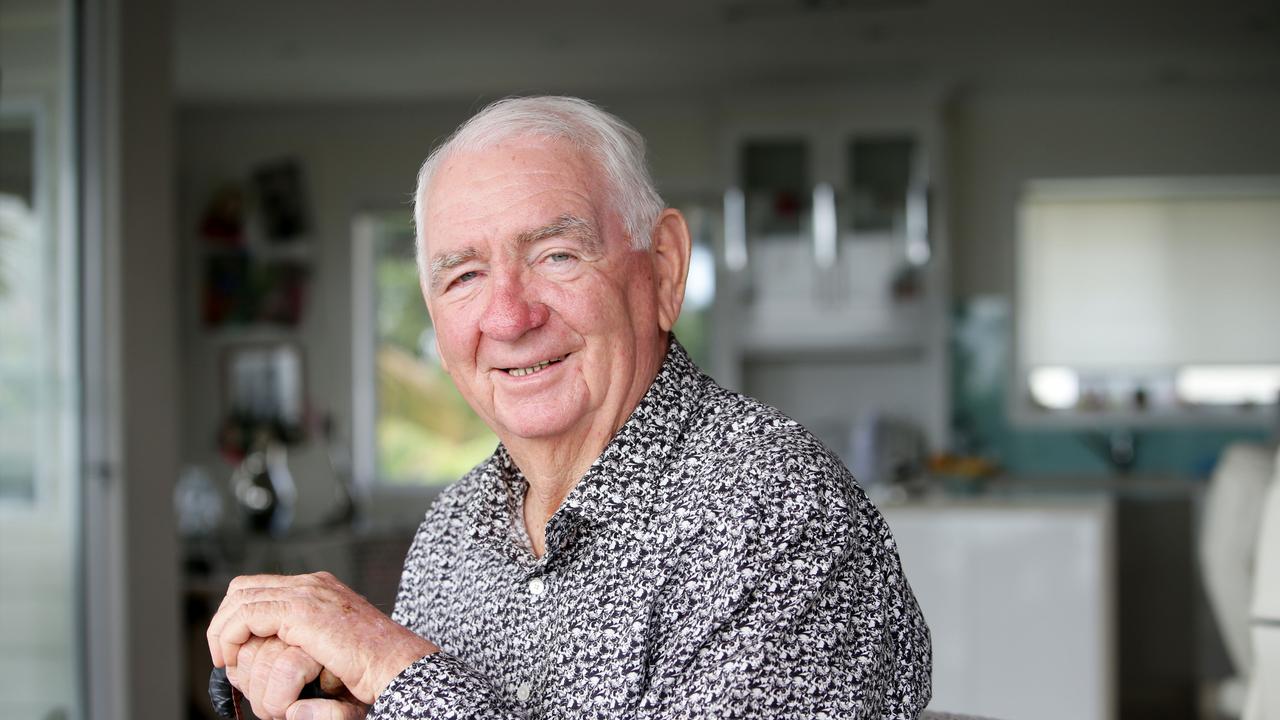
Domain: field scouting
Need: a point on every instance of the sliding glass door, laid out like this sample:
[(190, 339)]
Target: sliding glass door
[(40, 468)]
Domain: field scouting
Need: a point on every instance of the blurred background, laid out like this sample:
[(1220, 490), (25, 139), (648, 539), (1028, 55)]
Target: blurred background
[(1017, 262)]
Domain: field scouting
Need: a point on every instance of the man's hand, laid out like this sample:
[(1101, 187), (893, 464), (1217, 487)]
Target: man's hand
[(272, 673), (324, 621)]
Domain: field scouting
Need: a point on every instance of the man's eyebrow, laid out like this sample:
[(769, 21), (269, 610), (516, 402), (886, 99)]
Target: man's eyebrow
[(570, 226), (441, 264)]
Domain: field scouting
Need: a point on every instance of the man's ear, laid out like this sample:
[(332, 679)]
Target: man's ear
[(670, 247)]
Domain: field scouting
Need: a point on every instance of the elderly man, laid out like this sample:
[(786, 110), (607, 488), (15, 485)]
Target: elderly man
[(643, 543)]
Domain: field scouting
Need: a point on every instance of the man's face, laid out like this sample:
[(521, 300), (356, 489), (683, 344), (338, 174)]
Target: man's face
[(546, 319)]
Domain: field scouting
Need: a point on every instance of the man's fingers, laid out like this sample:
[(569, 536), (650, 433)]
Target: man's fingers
[(331, 684), (237, 678), (291, 670), (260, 678), (267, 582), (232, 605), (239, 675), (328, 621), (325, 710), (251, 588), (262, 619)]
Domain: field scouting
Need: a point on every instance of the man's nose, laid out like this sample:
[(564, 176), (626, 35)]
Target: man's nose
[(511, 311)]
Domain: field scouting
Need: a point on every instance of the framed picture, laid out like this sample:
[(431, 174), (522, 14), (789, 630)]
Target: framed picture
[(239, 290), (264, 395), (282, 199)]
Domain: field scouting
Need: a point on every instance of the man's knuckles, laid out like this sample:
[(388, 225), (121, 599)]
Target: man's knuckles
[(278, 676), (248, 653), (323, 577), (261, 668)]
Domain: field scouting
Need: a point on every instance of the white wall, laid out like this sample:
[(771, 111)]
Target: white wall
[(1001, 138), (133, 414)]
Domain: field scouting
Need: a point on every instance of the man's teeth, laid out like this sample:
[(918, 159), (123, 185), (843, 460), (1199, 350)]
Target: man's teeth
[(521, 372)]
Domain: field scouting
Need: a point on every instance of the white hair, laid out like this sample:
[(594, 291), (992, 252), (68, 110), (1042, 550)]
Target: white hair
[(617, 149)]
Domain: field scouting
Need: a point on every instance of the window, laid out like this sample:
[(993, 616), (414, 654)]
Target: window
[(693, 328), (413, 426), (1151, 298)]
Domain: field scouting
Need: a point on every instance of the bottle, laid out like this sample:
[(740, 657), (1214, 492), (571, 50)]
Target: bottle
[(265, 490)]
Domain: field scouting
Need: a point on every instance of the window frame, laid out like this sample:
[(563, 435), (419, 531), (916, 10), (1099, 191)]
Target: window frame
[(392, 504)]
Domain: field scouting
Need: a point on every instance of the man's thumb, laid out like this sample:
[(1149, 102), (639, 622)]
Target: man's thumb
[(325, 710)]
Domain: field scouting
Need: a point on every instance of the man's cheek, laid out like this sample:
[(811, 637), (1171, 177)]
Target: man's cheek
[(450, 347)]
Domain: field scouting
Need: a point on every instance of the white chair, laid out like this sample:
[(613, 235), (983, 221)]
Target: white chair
[(1264, 686), (1228, 544)]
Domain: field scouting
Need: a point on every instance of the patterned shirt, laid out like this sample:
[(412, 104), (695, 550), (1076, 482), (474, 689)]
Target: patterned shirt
[(715, 561)]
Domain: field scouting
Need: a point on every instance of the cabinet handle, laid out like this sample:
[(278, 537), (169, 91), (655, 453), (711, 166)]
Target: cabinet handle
[(824, 225), (917, 222), (735, 229)]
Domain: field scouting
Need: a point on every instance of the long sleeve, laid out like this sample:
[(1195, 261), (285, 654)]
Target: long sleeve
[(795, 611), (441, 686)]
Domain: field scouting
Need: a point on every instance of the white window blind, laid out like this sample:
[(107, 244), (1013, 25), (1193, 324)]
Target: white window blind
[(1149, 274)]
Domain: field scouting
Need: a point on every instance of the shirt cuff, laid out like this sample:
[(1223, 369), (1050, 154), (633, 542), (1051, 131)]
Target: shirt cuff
[(441, 686)]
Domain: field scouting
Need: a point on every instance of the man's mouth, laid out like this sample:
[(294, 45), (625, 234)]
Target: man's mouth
[(539, 367)]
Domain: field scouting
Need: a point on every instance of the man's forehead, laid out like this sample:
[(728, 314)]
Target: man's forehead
[(503, 184)]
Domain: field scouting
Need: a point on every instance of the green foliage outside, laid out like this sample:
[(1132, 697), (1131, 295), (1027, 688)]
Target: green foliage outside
[(427, 434), (691, 330)]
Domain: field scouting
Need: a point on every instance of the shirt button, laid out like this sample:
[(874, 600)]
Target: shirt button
[(524, 691), (537, 587)]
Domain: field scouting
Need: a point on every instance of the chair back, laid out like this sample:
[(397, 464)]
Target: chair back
[(1232, 514), (1264, 684)]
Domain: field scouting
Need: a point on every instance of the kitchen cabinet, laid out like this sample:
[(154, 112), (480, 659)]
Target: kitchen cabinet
[(832, 282)]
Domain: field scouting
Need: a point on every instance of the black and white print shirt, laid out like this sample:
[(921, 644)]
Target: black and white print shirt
[(715, 561)]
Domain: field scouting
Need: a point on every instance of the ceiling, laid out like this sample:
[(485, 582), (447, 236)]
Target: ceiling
[(284, 50)]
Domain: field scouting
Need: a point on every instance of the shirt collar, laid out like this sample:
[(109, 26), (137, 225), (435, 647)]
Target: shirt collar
[(495, 509), (640, 451), (620, 477)]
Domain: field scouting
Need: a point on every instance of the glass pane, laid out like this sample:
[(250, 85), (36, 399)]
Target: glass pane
[(775, 178), (1228, 385), (20, 281), (426, 432), (39, 457), (693, 327), (880, 178)]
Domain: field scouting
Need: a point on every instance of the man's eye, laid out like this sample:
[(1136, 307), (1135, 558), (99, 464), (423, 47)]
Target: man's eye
[(560, 257), (464, 278)]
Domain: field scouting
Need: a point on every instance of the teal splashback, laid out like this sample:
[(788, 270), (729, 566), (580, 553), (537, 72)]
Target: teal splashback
[(981, 355)]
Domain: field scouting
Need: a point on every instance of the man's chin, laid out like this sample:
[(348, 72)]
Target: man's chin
[(533, 425)]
